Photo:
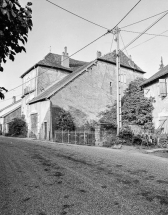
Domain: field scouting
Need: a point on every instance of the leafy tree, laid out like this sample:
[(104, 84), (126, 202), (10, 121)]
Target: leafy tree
[(62, 119), (18, 127), (136, 109), (15, 22)]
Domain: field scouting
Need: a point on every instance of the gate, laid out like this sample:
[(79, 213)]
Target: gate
[(75, 137)]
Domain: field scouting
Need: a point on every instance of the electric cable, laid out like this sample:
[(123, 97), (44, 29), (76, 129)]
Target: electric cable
[(124, 44), (144, 31), (143, 19), (76, 15), (147, 40)]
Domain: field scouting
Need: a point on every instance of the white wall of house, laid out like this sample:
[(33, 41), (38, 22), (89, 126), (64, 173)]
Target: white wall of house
[(159, 91), (42, 109)]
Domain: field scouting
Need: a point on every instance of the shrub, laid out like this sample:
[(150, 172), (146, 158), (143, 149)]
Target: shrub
[(18, 127), (126, 134)]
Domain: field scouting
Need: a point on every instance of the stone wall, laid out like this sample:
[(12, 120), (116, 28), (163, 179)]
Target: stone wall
[(47, 76)]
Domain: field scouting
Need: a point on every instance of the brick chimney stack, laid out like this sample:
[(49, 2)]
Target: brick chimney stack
[(65, 58), (98, 54)]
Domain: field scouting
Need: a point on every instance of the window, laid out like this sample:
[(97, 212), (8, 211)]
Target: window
[(162, 88)]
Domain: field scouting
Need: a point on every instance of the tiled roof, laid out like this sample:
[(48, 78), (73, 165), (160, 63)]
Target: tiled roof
[(156, 76), (124, 60), (54, 61), (10, 105), (58, 85)]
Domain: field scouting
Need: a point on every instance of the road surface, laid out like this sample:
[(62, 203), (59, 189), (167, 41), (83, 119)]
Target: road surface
[(42, 178)]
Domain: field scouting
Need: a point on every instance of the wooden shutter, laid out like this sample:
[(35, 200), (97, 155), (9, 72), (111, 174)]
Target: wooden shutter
[(162, 87)]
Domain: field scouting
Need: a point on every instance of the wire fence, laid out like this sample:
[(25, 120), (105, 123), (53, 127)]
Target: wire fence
[(75, 137)]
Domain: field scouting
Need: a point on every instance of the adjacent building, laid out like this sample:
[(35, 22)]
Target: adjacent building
[(8, 113), (157, 88)]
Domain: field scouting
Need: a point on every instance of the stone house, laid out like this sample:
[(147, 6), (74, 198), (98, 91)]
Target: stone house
[(83, 89), (8, 113), (157, 87)]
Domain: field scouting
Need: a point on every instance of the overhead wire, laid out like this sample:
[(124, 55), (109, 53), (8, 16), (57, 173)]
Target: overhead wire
[(112, 43), (154, 23), (108, 31), (144, 19), (145, 33), (76, 15), (123, 43), (147, 40)]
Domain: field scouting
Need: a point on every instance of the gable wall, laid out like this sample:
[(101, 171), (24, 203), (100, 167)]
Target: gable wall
[(89, 94)]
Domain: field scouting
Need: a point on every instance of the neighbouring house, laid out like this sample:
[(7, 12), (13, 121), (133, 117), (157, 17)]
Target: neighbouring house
[(83, 89), (8, 113), (157, 87)]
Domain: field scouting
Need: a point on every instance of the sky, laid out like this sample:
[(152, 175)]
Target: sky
[(53, 29)]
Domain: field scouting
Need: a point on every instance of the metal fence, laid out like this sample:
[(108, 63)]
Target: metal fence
[(75, 137)]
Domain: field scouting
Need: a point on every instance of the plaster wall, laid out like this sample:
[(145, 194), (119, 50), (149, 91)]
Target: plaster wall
[(47, 77), (43, 115), (90, 93), (160, 104)]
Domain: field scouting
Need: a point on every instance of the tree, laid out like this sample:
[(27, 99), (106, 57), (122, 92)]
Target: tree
[(18, 127), (136, 109), (62, 119), (15, 21), (2, 89)]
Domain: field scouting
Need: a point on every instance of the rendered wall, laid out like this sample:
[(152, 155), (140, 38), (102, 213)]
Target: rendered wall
[(160, 104), (43, 114)]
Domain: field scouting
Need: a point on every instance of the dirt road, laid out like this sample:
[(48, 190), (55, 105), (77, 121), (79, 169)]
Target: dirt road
[(40, 178)]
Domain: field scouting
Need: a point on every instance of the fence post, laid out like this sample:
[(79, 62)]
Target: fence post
[(62, 135)]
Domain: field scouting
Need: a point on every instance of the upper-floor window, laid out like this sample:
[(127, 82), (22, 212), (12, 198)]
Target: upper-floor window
[(162, 88)]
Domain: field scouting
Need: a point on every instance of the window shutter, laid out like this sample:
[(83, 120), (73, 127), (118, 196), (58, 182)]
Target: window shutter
[(162, 87)]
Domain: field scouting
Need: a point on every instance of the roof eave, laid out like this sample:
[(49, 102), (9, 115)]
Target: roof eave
[(108, 61)]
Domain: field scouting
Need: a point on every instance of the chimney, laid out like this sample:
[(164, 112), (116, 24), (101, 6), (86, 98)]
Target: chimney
[(65, 58), (13, 99), (98, 54)]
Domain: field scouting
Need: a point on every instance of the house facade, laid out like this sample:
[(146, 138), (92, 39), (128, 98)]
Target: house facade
[(157, 88), (37, 80), (8, 113), (84, 93)]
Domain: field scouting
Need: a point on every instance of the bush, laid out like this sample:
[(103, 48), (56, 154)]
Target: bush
[(126, 135), (110, 140), (17, 127)]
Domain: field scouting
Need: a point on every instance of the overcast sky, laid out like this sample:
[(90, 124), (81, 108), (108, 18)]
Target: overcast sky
[(57, 28)]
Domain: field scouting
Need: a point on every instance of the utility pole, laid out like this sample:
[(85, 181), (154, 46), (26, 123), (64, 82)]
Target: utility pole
[(119, 124)]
